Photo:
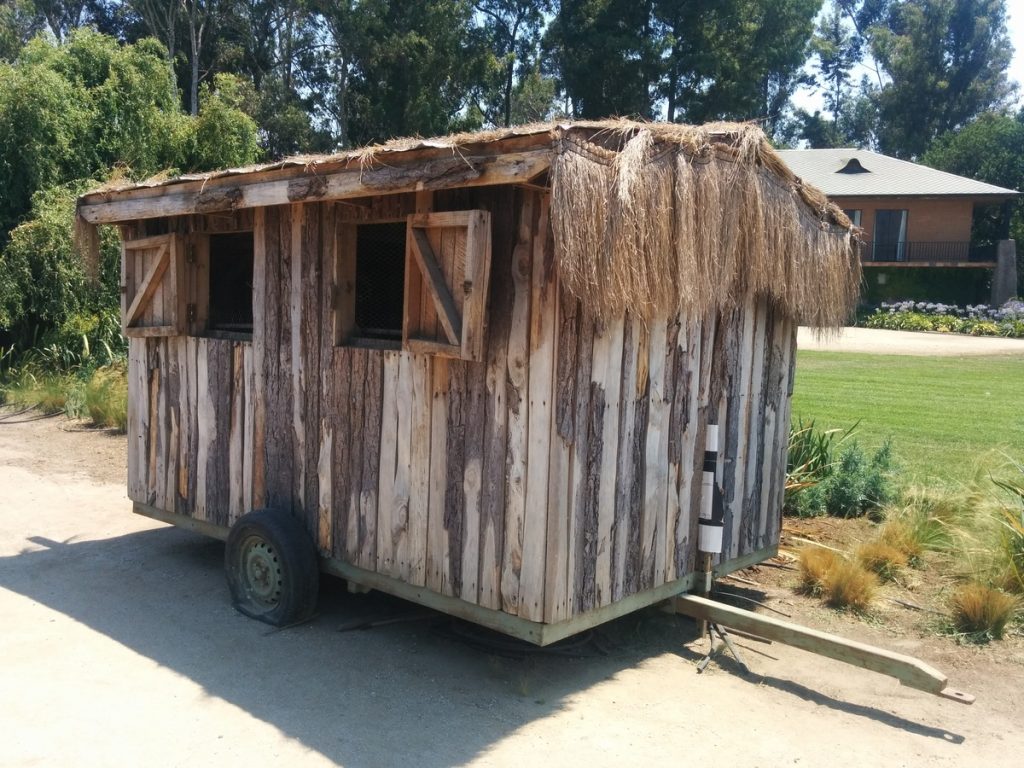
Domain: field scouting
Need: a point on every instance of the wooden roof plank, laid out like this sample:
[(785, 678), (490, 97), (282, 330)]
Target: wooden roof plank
[(451, 171)]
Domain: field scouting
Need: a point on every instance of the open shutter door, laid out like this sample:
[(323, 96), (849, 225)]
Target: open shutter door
[(153, 286), (447, 270)]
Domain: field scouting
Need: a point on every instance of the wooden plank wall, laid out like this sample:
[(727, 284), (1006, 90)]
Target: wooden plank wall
[(558, 476)]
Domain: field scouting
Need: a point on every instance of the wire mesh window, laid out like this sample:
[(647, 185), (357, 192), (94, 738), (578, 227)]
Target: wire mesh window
[(231, 271), (380, 281)]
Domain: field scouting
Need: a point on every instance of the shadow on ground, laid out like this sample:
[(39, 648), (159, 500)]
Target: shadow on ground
[(417, 689)]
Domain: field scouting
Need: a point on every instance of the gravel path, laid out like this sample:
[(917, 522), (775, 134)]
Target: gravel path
[(909, 343), (118, 647)]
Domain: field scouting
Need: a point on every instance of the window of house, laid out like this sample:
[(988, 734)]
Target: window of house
[(418, 284), (379, 282), (230, 284), (890, 236), (854, 215)]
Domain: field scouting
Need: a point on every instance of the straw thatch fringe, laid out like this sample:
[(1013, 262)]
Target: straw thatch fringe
[(87, 242), (658, 219)]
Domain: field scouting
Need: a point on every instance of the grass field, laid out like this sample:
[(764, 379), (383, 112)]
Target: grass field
[(951, 419)]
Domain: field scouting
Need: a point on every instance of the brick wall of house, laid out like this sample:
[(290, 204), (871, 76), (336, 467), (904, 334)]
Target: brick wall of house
[(928, 220)]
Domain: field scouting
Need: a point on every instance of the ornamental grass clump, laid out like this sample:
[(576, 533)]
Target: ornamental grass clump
[(882, 559), (841, 582), (849, 585), (980, 612), (815, 563)]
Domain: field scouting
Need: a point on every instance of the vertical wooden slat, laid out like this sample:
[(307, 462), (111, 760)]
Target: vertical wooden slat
[(541, 384), (703, 364), (438, 564), (557, 595), (782, 428), (472, 480), (773, 406), (624, 464), (580, 555), (418, 475), (261, 306), (206, 423), (740, 394), (274, 340), (351, 380), (388, 458), (173, 398), (454, 463), (138, 418), (655, 501), (495, 433), (518, 404), (236, 431), (336, 438), (755, 432), (372, 447), (248, 430), (607, 375)]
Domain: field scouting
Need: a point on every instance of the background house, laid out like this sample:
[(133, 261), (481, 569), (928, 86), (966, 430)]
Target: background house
[(928, 234)]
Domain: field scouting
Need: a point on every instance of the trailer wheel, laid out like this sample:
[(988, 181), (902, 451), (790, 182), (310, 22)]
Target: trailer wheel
[(272, 569)]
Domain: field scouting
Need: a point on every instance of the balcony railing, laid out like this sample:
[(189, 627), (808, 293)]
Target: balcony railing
[(948, 252)]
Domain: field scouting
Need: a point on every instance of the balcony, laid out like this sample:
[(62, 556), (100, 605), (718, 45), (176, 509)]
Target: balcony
[(929, 254)]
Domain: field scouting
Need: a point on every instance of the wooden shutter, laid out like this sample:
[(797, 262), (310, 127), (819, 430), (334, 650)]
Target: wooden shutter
[(447, 269), (153, 286)]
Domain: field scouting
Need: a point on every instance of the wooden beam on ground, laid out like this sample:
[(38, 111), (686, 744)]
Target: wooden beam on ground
[(911, 672), (279, 188)]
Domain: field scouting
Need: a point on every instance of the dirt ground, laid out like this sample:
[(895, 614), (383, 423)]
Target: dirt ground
[(119, 647), (882, 342)]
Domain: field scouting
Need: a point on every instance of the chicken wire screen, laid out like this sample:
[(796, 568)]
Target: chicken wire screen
[(380, 280), (231, 273)]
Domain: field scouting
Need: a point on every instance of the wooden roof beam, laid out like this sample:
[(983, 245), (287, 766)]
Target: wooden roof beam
[(441, 172)]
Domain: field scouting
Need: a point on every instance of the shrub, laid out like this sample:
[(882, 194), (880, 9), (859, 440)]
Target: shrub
[(981, 612), (977, 320), (855, 485), (811, 455), (881, 558), (106, 398)]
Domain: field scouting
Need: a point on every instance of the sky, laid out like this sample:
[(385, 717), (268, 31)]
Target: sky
[(805, 99)]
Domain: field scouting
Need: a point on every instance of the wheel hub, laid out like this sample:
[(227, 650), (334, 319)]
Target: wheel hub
[(262, 572)]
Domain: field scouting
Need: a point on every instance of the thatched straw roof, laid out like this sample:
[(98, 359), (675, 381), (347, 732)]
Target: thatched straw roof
[(654, 218)]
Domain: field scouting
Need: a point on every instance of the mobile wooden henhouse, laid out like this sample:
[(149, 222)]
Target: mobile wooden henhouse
[(477, 371)]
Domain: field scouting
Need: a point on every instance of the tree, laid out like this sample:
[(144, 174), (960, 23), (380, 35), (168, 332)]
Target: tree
[(605, 56), (418, 64), (837, 51), (990, 149), (69, 114), (732, 59), (946, 63), (513, 29)]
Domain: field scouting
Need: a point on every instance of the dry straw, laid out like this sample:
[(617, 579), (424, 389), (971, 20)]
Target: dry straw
[(651, 218), (655, 219)]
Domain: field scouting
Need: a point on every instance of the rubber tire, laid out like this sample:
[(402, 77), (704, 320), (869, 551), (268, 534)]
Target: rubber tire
[(299, 571)]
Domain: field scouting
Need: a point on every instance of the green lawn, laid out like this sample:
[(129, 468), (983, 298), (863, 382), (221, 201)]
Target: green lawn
[(950, 418)]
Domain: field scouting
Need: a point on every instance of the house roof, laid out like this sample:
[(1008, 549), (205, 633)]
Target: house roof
[(862, 173), (647, 218)]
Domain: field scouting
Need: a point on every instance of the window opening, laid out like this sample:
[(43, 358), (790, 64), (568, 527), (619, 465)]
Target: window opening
[(231, 277), (380, 281)]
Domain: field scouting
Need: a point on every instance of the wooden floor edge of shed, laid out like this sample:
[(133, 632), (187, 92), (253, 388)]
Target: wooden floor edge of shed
[(534, 632)]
